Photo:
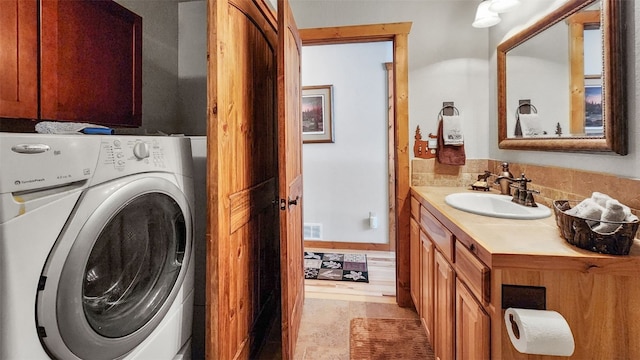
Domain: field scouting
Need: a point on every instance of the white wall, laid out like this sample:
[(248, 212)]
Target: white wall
[(448, 59), (159, 63), (192, 67), (625, 166), (346, 180)]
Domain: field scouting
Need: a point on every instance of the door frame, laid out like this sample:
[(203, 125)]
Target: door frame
[(398, 34)]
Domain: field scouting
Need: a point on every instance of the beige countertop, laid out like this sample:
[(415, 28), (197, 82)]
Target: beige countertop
[(521, 243)]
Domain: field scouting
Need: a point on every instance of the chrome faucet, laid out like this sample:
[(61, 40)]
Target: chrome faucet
[(521, 195)]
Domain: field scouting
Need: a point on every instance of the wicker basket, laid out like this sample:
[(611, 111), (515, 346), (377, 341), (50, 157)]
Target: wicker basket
[(577, 232)]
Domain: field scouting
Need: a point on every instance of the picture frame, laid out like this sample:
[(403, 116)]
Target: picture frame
[(593, 124), (317, 114)]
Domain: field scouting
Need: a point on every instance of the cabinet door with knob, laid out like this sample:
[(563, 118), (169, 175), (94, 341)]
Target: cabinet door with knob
[(444, 308), (426, 268), (415, 264), (472, 326), (70, 61), (91, 62)]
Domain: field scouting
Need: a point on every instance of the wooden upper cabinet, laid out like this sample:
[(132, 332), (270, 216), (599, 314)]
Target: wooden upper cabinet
[(91, 62), (18, 59)]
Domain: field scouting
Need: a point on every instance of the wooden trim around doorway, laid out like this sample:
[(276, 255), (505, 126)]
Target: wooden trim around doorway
[(345, 245), (398, 33)]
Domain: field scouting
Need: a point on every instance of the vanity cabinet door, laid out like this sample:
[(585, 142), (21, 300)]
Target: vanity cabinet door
[(472, 326), (414, 258), (426, 296), (444, 308), (18, 59)]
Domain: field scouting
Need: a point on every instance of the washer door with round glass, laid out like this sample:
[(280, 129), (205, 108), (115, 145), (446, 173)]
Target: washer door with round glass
[(116, 268)]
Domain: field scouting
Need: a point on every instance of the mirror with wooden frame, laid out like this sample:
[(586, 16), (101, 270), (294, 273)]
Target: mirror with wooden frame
[(547, 86)]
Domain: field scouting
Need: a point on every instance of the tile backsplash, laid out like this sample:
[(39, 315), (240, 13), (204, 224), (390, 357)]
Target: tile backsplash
[(554, 183)]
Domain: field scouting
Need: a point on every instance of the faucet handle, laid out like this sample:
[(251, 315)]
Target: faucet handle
[(529, 200), (523, 178)]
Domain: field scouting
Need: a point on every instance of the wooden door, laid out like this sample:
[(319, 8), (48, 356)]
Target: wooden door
[(18, 59), (290, 172), (243, 259)]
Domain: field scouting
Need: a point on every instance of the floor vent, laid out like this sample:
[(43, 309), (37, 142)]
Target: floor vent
[(312, 231)]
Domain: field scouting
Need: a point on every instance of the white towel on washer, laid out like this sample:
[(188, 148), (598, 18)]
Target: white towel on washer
[(64, 127)]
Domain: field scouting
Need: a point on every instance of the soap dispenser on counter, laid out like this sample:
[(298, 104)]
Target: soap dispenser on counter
[(504, 182)]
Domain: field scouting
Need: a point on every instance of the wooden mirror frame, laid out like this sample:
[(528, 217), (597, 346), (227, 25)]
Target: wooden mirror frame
[(614, 99)]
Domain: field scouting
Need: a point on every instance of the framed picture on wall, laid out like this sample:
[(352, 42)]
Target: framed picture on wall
[(593, 106), (317, 114)]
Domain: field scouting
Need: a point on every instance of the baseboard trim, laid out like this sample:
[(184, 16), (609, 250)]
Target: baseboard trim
[(346, 245)]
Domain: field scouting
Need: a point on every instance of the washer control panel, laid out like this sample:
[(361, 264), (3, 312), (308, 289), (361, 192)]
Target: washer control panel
[(133, 153), (125, 155)]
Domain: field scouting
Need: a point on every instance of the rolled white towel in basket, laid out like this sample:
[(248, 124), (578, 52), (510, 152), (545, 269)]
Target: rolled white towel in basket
[(587, 209), (600, 198), (602, 212), (613, 211)]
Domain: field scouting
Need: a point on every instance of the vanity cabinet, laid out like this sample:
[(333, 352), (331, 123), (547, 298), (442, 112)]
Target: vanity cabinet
[(450, 290), (496, 264), (88, 55)]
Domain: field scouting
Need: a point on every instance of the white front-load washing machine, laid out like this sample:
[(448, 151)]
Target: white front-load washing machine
[(95, 247)]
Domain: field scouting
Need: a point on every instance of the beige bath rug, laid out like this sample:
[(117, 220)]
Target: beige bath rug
[(385, 339)]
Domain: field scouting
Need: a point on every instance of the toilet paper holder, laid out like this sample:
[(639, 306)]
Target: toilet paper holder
[(539, 332), (514, 327)]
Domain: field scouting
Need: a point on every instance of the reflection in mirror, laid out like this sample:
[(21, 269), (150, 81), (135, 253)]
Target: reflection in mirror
[(558, 88), (540, 71)]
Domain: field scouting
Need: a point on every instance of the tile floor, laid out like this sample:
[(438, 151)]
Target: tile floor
[(324, 333), (330, 306)]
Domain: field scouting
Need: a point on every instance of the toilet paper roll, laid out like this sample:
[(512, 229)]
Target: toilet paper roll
[(540, 332)]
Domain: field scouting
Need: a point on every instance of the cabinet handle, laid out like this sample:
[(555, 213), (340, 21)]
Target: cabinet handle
[(472, 247)]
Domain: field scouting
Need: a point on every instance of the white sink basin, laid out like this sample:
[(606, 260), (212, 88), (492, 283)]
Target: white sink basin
[(495, 205)]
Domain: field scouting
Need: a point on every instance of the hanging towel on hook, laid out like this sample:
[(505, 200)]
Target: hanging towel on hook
[(531, 126), (452, 130), (449, 154)]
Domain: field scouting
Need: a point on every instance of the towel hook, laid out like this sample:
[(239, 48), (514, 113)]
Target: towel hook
[(455, 110), (533, 108)]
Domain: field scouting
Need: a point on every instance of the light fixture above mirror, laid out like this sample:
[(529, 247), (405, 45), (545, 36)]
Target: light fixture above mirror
[(484, 16), (488, 12)]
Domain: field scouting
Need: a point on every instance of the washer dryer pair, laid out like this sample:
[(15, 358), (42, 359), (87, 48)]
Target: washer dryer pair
[(95, 247)]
